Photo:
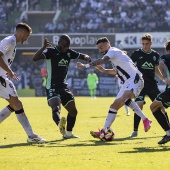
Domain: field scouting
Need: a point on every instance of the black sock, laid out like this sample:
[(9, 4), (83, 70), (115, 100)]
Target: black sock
[(161, 119), (70, 122), (56, 118), (136, 122), (167, 117)]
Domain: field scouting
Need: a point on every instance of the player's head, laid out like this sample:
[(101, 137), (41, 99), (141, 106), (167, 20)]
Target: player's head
[(167, 46), (22, 32), (91, 71), (103, 45), (64, 43), (146, 42)]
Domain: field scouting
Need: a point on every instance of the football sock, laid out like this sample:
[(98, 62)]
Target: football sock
[(133, 105), (56, 116), (110, 118), (161, 119), (22, 118), (91, 93), (126, 108), (68, 133), (70, 122), (136, 122), (167, 116), (94, 92), (5, 112)]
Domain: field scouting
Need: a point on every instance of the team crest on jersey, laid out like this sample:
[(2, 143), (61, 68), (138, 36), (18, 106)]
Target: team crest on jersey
[(154, 58), (5, 47)]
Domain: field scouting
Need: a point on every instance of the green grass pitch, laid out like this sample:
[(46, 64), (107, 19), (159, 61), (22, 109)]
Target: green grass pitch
[(85, 153)]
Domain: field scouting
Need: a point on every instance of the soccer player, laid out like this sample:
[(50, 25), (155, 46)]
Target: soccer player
[(146, 60), (7, 88), (163, 99), (58, 59), (120, 84), (128, 73), (92, 81)]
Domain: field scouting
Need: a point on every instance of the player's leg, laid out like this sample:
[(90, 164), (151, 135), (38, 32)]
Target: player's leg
[(69, 103), (5, 112), (131, 91), (157, 106), (23, 120)]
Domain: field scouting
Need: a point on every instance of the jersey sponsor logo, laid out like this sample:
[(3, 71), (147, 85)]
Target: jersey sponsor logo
[(154, 58), (140, 57), (62, 62), (147, 65)]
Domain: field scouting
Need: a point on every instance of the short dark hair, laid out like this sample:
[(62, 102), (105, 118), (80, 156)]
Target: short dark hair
[(102, 40), (167, 45), (147, 36), (24, 26), (66, 38)]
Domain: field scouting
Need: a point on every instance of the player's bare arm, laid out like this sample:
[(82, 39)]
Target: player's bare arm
[(11, 74), (107, 71), (163, 70), (38, 55), (158, 73)]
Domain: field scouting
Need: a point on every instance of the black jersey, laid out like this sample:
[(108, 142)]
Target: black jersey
[(166, 59), (146, 63), (57, 65)]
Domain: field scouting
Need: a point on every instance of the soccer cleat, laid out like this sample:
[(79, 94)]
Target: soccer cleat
[(164, 140), (134, 134), (62, 125), (69, 137), (147, 124), (36, 139), (96, 134)]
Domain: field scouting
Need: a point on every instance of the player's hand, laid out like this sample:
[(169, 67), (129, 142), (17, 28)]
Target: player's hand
[(47, 43), (167, 81), (80, 65), (13, 75), (87, 58)]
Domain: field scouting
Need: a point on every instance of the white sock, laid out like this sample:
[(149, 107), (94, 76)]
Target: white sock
[(127, 109), (4, 113), (22, 118), (69, 133), (133, 105), (110, 118)]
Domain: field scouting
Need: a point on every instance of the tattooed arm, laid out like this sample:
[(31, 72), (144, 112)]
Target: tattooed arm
[(93, 63)]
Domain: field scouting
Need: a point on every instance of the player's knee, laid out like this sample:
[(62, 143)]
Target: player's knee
[(154, 106), (55, 110), (73, 113)]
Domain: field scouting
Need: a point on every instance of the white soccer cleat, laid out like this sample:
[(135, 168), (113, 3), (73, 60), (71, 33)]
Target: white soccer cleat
[(35, 139)]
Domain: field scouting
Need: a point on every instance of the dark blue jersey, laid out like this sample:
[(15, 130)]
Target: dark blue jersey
[(57, 65), (146, 63)]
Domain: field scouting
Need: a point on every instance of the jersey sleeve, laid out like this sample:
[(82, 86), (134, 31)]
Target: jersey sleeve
[(5, 46), (48, 53), (74, 54)]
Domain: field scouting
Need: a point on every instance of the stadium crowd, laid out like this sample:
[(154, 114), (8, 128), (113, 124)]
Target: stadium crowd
[(89, 16)]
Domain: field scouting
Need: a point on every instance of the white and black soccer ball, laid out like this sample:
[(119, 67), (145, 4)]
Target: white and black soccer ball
[(107, 135)]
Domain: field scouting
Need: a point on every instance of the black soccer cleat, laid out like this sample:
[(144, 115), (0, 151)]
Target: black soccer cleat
[(164, 140)]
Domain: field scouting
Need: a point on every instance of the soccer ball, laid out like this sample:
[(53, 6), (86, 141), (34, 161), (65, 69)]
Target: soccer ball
[(107, 135)]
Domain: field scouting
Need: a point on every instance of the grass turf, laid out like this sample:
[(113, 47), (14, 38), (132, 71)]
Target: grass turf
[(85, 153)]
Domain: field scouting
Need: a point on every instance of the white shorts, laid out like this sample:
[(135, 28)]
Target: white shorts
[(7, 88), (130, 85)]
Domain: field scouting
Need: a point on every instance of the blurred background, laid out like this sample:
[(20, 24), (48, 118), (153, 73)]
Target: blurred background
[(123, 22)]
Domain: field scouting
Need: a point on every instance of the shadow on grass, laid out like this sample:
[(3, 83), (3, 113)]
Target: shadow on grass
[(14, 145), (159, 148)]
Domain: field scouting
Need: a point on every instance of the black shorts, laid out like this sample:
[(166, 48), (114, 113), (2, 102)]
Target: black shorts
[(64, 94), (164, 98), (152, 93)]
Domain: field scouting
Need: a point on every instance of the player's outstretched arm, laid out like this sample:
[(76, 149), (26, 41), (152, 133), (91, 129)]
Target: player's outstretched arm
[(107, 71), (38, 55)]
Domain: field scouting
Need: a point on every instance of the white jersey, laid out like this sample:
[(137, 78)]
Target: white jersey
[(7, 47), (122, 64)]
